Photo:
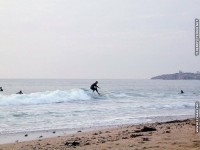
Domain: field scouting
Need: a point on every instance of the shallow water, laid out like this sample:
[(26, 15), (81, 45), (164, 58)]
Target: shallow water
[(71, 105)]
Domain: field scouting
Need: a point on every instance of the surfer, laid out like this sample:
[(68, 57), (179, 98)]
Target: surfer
[(94, 87), (182, 92), (20, 92), (1, 89)]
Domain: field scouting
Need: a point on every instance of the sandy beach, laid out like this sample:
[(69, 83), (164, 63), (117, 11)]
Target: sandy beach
[(173, 135)]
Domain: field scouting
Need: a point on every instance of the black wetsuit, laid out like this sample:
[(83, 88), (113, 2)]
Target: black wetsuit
[(182, 92), (20, 92), (94, 87)]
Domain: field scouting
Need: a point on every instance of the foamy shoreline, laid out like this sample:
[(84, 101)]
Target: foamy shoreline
[(122, 137), (23, 136)]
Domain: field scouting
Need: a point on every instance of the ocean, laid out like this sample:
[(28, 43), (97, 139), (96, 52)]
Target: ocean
[(49, 104)]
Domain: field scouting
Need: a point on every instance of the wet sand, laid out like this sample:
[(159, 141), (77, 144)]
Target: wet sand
[(172, 135)]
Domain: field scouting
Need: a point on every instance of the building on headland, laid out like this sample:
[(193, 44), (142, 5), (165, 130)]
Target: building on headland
[(180, 75)]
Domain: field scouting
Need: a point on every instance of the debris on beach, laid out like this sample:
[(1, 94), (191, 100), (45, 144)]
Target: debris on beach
[(146, 129)]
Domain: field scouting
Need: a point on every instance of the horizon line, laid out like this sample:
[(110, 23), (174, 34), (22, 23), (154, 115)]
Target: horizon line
[(75, 78)]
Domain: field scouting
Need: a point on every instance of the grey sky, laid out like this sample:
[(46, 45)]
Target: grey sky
[(97, 38)]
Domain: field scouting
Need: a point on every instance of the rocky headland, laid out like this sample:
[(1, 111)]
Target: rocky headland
[(179, 76)]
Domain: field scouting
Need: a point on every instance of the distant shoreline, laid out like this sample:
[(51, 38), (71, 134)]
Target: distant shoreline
[(179, 76)]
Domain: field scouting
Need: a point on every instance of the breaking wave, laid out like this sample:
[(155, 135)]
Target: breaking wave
[(47, 97)]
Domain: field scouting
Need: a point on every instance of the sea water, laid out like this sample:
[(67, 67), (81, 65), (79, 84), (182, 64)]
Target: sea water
[(71, 105)]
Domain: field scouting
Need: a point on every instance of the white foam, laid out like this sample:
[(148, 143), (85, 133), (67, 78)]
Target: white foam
[(45, 97)]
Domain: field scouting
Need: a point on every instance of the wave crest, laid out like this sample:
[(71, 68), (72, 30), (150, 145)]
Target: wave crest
[(47, 97)]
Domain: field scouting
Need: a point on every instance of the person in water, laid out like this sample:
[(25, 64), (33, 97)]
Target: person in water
[(20, 92), (181, 92), (1, 89), (94, 87)]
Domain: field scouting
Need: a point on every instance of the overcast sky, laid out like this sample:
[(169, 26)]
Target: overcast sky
[(97, 38)]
